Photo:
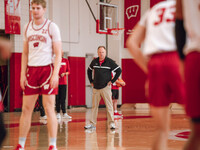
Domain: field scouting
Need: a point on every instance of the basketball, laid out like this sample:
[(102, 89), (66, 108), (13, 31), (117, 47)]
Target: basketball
[(120, 83)]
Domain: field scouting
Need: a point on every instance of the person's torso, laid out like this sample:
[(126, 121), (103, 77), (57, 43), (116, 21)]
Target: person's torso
[(63, 69), (102, 73), (39, 44), (159, 36), (191, 12)]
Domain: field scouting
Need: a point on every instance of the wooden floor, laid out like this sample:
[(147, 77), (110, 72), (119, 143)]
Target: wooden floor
[(134, 132)]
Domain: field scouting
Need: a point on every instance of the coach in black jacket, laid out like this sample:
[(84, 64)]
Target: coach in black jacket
[(102, 66)]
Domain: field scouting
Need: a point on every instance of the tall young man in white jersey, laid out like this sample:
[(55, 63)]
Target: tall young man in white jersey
[(188, 21), (156, 29), (38, 73)]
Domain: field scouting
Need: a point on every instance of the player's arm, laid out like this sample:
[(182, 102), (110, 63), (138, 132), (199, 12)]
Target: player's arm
[(117, 71), (5, 48), (133, 44), (24, 64), (67, 72), (89, 73), (68, 67), (57, 51), (180, 33), (57, 47)]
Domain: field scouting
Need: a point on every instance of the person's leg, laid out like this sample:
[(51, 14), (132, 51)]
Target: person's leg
[(115, 105), (95, 105), (58, 100), (52, 124), (193, 142), (2, 129), (107, 96), (62, 95), (162, 118), (25, 119), (42, 112), (192, 78)]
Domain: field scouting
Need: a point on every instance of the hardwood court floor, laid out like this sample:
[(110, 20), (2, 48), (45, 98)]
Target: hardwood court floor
[(134, 132)]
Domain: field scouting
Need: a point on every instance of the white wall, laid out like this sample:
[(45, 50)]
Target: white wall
[(78, 28)]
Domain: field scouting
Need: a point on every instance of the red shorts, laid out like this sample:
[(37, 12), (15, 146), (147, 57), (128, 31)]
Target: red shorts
[(165, 83), (38, 79), (192, 77)]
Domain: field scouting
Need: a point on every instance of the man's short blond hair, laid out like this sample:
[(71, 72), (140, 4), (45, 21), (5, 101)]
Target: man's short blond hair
[(43, 3)]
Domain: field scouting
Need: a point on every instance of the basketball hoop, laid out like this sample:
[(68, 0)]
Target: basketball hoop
[(107, 21), (114, 31)]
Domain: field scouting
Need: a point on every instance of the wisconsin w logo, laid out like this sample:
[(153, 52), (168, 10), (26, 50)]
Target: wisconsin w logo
[(132, 11)]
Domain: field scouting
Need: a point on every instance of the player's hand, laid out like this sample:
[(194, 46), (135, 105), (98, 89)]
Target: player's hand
[(23, 81), (109, 83), (123, 83), (63, 74), (54, 81)]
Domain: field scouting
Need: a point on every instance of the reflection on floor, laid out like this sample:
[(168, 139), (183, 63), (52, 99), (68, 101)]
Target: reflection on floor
[(134, 131)]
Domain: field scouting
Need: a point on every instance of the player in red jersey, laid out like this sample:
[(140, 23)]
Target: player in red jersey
[(39, 75), (187, 21), (160, 61), (62, 88)]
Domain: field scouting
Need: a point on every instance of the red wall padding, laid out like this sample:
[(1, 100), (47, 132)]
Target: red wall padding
[(135, 78), (15, 89), (76, 81)]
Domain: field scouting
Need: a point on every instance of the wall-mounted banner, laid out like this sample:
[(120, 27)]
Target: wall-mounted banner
[(12, 16), (131, 16)]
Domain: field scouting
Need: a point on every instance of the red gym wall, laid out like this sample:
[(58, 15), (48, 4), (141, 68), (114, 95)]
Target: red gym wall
[(135, 78), (15, 89), (76, 81), (133, 92)]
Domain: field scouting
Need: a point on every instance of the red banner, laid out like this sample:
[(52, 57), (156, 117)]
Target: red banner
[(154, 2), (12, 16), (131, 16)]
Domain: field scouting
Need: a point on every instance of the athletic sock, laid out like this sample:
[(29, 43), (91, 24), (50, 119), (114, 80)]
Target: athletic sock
[(22, 141), (52, 141)]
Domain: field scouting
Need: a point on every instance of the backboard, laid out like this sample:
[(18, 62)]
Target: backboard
[(107, 21)]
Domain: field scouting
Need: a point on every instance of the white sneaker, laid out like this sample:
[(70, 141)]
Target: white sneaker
[(58, 116), (43, 121), (43, 117), (90, 126), (65, 115), (112, 126), (90, 130)]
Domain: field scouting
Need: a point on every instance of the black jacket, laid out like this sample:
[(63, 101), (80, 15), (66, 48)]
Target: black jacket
[(102, 74)]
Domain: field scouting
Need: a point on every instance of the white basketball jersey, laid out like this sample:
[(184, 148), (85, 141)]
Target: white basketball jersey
[(40, 42), (159, 23), (191, 12)]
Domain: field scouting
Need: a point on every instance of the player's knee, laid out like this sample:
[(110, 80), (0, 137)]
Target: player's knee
[(48, 111), (26, 110)]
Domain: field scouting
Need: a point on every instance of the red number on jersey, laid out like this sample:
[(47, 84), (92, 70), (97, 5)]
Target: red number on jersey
[(162, 11)]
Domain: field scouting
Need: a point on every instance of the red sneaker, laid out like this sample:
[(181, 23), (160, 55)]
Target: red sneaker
[(51, 147), (19, 147), (117, 115)]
